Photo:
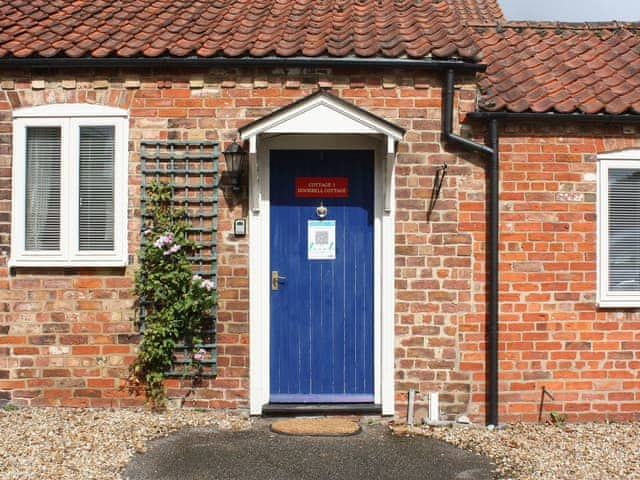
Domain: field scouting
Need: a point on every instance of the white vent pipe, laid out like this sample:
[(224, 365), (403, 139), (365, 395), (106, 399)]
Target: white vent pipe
[(434, 407)]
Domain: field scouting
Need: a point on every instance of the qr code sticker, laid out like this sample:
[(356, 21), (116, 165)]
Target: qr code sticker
[(322, 237)]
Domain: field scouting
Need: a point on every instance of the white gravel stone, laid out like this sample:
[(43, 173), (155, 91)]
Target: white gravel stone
[(87, 444), (586, 451)]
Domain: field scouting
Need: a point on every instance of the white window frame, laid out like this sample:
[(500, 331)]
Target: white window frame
[(69, 117), (628, 159)]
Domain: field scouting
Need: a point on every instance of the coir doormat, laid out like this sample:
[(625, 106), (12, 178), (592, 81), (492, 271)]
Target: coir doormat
[(326, 427)]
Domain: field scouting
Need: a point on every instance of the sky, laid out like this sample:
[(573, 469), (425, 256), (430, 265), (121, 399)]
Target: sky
[(571, 10)]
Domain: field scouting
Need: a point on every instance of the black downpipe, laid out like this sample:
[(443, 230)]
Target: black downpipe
[(448, 119), (493, 273), (493, 218)]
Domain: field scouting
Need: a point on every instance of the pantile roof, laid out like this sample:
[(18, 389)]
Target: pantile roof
[(566, 68), (531, 66), (233, 28), (478, 11)]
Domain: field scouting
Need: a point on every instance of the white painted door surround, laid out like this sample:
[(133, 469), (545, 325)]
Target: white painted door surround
[(321, 121)]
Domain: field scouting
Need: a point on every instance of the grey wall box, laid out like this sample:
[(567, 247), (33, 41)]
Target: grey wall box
[(240, 227)]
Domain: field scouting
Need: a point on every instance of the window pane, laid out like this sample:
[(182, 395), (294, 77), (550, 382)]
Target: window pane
[(42, 215), (96, 187), (624, 229)]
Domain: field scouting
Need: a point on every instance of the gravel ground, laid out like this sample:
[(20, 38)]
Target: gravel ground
[(65, 444), (83, 444), (587, 451)]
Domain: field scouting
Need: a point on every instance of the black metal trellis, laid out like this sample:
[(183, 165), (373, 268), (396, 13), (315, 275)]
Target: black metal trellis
[(190, 168)]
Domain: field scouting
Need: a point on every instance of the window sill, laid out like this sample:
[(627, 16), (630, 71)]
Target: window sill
[(619, 303), (48, 263)]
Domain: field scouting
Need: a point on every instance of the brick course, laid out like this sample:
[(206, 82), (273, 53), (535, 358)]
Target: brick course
[(66, 336)]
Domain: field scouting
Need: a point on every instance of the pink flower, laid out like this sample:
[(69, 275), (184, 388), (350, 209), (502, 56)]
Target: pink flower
[(200, 354), (166, 239)]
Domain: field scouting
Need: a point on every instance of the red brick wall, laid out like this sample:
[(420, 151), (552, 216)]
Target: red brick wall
[(552, 332), (433, 266), (66, 337), (192, 105)]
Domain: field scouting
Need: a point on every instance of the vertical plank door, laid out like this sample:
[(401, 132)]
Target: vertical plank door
[(321, 330)]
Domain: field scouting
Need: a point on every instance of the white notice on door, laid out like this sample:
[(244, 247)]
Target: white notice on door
[(321, 240)]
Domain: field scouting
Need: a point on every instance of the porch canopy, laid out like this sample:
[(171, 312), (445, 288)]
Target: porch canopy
[(321, 113)]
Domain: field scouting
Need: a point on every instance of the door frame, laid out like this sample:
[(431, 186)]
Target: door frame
[(259, 261)]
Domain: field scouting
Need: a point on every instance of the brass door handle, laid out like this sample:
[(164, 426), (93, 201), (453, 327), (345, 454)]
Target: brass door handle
[(275, 279)]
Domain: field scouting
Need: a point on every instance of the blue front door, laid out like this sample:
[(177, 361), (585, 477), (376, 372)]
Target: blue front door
[(322, 310)]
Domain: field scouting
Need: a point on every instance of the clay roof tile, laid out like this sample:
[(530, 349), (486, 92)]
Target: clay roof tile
[(592, 106), (368, 28), (560, 67)]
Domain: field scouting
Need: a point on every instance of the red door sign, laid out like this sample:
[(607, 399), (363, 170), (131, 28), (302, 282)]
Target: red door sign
[(322, 187)]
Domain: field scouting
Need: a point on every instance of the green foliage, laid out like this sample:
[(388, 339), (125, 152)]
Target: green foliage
[(174, 299), (558, 418), (9, 407)]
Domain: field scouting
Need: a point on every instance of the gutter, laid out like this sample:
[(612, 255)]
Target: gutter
[(493, 217), (270, 61), (570, 117)]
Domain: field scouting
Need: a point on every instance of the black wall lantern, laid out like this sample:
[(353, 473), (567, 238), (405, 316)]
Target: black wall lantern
[(236, 159)]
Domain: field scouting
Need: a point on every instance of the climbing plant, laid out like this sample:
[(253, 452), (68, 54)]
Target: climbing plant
[(173, 300)]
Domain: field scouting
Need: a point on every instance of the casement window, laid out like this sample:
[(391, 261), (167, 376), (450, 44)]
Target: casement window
[(69, 186), (619, 229)]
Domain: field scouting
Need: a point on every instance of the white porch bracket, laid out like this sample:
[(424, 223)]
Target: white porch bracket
[(254, 175), (389, 166)]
